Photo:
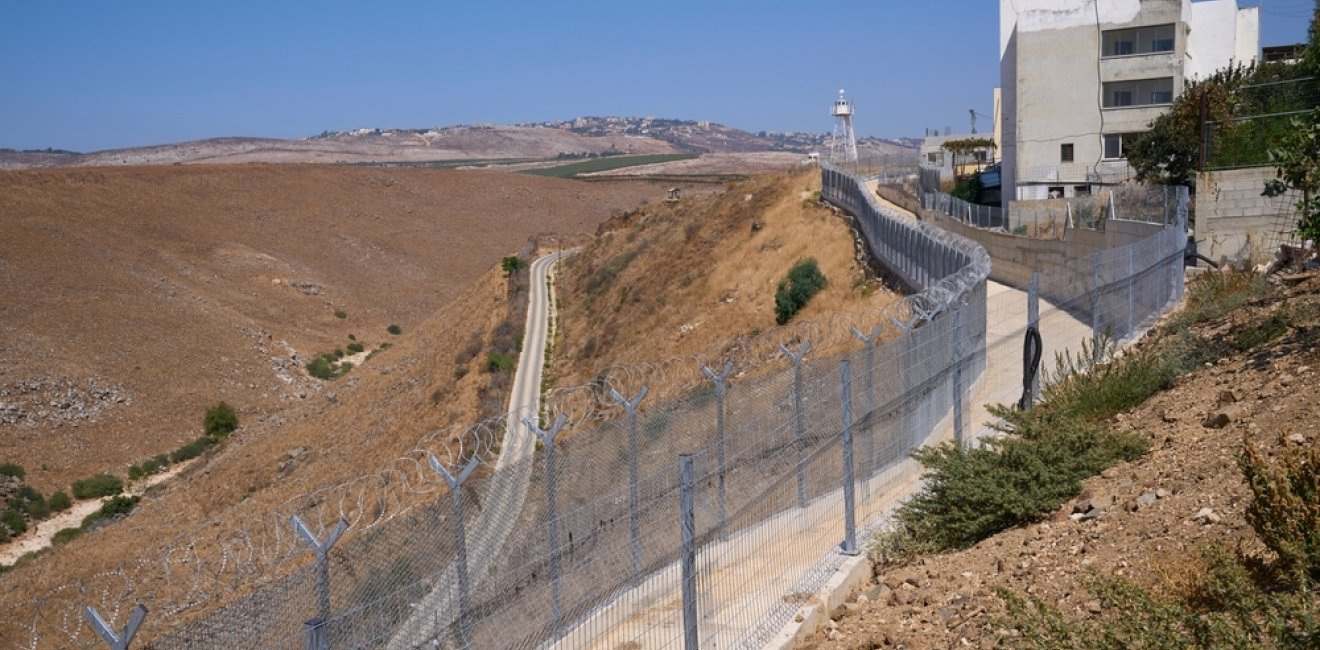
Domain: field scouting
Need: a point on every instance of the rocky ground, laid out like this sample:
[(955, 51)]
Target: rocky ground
[(1144, 520)]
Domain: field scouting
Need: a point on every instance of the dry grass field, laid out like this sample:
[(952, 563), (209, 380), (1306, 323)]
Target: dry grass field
[(133, 298)]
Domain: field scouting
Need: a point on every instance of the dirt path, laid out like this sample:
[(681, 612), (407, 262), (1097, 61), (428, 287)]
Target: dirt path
[(39, 536)]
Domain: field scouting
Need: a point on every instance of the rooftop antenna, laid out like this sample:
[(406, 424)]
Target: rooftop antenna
[(843, 144), (973, 112)]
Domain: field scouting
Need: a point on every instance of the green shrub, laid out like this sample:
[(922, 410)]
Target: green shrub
[(339, 313), (59, 502), (14, 522), (804, 281), (1227, 601), (220, 420), (101, 485), (12, 470), (354, 348), (1211, 295), (1250, 335), (1285, 508), (499, 362), (66, 535), (114, 507), (328, 366), (1098, 390), (1029, 472), (192, 450), (394, 329), (511, 264)]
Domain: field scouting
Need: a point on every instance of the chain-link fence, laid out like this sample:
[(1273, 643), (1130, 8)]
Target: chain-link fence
[(594, 535), (1052, 218)]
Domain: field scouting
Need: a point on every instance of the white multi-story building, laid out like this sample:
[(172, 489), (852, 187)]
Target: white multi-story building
[(1079, 77)]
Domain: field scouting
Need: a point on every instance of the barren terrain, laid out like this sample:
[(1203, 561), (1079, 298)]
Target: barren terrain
[(1148, 519), (132, 299)]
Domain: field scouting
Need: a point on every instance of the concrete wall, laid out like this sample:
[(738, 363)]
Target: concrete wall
[(1234, 223), (1015, 257)]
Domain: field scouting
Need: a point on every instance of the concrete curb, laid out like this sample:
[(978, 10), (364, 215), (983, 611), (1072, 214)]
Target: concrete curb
[(854, 573)]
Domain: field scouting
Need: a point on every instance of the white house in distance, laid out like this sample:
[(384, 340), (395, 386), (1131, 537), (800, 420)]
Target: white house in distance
[(1079, 76)]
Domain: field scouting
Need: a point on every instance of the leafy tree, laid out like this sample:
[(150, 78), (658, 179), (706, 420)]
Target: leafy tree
[(220, 420), (1297, 163), (1169, 153), (511, 264)]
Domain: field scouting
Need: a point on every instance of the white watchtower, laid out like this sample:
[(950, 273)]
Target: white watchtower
[(843, 144)]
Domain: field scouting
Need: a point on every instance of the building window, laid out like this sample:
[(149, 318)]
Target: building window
[(1081, 190), (1151, 39), (979, 155), (935, 158), (1066, 152), (1138, 92)]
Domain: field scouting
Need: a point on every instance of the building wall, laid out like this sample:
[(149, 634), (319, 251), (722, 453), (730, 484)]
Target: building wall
[(1219, 34), (1053, 75), (1234, 223)]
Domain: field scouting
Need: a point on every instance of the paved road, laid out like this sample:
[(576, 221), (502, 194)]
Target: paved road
[(507, 489)]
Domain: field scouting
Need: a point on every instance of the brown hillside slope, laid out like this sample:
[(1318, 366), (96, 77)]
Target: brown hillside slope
[(131, 299), (696, 279), (1156, 515)]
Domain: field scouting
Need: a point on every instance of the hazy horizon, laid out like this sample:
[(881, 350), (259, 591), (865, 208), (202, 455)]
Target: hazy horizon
[(89, 76)]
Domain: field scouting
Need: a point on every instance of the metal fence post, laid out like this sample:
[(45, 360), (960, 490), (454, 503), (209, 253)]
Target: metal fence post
[(869, 340), (849, 545), (633, 515), (687, 523), (547, 439), (115, 639), (956, 361), (721, 381), (799, 420), (1095, 307), (1131, 284), (460, 540), (322, 550)]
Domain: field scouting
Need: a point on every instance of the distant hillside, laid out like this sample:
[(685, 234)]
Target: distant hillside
[(474, 143)]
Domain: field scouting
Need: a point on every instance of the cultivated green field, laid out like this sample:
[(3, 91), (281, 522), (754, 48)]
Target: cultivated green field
[(606, 164)]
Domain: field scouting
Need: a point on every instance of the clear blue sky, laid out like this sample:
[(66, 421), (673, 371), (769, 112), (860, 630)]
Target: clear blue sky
[(98, 75)]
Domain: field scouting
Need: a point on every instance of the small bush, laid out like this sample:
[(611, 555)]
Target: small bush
[(972, 493), (1250, 335), (1211, 295), (804, 281), (511, 264), (12, 470), (115, 507), (499, 362), (328, 367), (1285, 509), (101, 485), (354, 348), (394, 329), (220, 420), (339, 313), (13, 521), (59, 502), (192, 450), (339, 353), (66, 535)]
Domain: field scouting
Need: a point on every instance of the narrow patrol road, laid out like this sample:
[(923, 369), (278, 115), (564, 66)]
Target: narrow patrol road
[(507, 489)]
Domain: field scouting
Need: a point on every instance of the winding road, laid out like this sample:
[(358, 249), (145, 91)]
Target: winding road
[(507, 489)]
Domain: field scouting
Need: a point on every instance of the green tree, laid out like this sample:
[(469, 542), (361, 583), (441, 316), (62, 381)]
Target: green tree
[(220, 420), (1169, 153), (511, 264), (1297, 164)]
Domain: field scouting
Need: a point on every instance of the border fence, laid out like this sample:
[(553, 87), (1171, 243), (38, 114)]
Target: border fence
[(702, 521)]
